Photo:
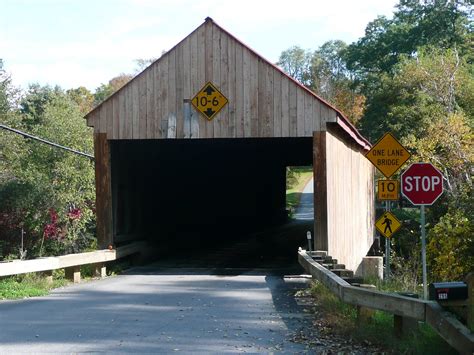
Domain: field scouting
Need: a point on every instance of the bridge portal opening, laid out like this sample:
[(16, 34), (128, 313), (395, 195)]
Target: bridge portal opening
[(190, 193)]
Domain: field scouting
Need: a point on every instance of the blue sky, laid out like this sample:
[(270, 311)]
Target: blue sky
[(87, 42)]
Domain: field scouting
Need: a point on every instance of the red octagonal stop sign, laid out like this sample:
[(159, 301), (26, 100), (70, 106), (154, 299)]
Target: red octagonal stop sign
[(422, 184)]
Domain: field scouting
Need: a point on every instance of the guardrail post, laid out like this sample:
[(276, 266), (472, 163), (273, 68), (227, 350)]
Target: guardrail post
[(404, 325), (100, 270), (73, 273), (365, 314)]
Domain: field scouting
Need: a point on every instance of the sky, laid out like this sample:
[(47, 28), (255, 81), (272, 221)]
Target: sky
[(74, 43)]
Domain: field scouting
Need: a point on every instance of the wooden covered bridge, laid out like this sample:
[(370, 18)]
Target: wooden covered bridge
[(198, 144)]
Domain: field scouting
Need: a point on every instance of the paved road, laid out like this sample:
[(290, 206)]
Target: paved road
[(305, 209), (159, 310)]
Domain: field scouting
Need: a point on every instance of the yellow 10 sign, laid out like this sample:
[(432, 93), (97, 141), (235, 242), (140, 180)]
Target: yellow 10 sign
[(387, 190)]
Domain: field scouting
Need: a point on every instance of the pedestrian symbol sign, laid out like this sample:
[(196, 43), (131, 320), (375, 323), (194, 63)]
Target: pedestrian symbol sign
[(388, 155), (388, 224), (209, 101)]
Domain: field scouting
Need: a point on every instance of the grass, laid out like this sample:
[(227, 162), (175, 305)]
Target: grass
[(29, 285), (342, 318), (296, 185)]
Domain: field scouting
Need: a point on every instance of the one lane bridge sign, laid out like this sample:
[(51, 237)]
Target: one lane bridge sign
[(388, 224), (388, 155), (209, 101)]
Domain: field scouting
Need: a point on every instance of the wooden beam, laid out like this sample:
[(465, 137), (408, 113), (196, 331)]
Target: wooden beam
[(103, 190), (65, 261), (320, 191)]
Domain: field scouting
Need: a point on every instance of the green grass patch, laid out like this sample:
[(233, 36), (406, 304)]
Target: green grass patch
[(342, 319), (29, 285), (296, 181)]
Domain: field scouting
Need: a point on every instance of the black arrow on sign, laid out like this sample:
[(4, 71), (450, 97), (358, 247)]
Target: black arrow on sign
[(209, 90), (209, 112)]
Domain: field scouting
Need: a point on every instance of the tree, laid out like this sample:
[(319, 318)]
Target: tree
[(41, 181), (295, 61), (324, 72), (82, 97), (114, 84)]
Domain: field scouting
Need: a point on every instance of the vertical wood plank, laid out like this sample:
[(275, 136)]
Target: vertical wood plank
[(103, 190), (316, 115), (180, 90), (157, 92), (222, 118), (269, 98), (171, 89), (115, 117), (150, 103), (293, 109), (103, 120), (164, 97), (128, 105), (135, 98), (300, 112), (239, 92), (122, 114), (201, 77), (142, 87), (285, 108), (254, 95), (231, 132), (216, 74), (276, 104), (320, 191), (308, 115), (187, 88), (209, 54), (247, 87), (262, 119), (194, 81), (110, 117)]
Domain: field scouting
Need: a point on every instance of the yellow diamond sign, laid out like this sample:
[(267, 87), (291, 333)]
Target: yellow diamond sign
[(388, 155), (209, 101), (388, 224)]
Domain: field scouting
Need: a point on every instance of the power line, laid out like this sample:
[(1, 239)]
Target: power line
[(26, 135)]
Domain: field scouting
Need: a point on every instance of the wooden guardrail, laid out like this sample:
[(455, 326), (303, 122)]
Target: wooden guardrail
[(444, 323), (67, 261)]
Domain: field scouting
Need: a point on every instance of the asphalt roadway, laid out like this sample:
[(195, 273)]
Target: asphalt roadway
[(154, 310), (192, 303)]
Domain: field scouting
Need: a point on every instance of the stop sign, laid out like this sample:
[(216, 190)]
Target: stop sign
[(422, 184)]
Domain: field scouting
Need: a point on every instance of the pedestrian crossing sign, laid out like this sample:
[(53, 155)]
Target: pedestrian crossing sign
[(388, 224)]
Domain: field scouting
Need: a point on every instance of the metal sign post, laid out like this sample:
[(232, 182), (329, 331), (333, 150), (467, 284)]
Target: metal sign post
[(422, 184), (423, 251), (387, 248)]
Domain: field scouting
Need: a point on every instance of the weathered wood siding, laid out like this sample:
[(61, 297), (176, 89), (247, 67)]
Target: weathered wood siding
[(263, 101), (350, 201)]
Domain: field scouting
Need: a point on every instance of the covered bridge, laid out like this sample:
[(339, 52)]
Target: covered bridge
[(170, 165)]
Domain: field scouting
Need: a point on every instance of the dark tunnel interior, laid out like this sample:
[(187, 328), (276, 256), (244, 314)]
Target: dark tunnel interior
[(192, 192)]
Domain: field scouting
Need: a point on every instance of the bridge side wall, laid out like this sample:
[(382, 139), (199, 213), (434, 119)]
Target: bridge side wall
[(349, 200)]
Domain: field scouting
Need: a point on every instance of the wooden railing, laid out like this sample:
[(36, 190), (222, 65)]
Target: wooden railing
[(73, 261), (445, 324)]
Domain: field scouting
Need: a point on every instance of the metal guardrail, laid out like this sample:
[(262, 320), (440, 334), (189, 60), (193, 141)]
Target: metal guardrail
[(443, 322), (64, 261)]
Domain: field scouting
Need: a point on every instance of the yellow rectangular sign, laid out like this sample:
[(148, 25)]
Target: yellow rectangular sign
[(388, 155), (388, 190)]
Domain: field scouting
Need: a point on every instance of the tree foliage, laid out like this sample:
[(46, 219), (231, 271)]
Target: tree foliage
[(38, 179)]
